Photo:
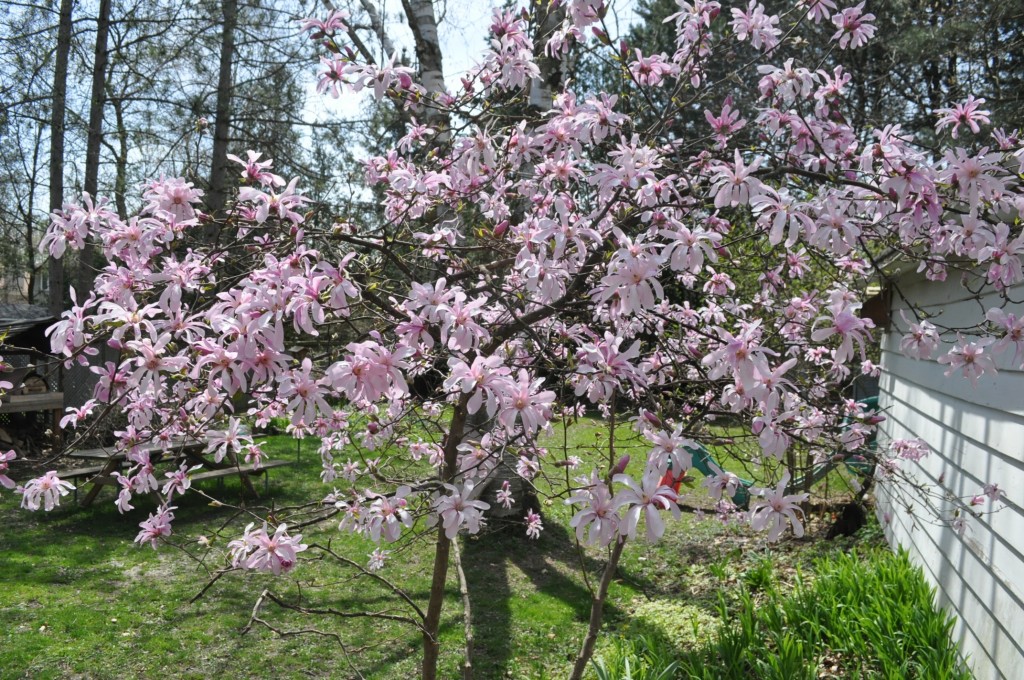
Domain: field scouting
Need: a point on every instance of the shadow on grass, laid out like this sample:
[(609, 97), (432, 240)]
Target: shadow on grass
[(528, 588)]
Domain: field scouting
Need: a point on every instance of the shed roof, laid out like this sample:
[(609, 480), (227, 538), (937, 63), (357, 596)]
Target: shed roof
[(16, 318)]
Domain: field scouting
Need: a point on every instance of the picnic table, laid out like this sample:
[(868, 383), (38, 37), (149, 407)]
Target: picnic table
[(192, 451), (53, 402)]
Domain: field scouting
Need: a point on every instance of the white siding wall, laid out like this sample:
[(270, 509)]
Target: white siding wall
[(977, 436)]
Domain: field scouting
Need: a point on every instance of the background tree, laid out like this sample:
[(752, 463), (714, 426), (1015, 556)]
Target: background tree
[(533, 265)]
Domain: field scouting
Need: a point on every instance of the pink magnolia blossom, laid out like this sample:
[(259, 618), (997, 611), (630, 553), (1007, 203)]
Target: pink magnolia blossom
[(725, 123), (333, 23), (921, 341), (851, 329), (966, 113), (174, 197), (456, 511), (1014, 337), (178, 481), (152, 363), (598, 522), (970, 359), (223, 442), (387, 516), (378, 559), (910, 449), (994, 493), (305, 396), (5, 459), (260, 551), (762, 29), (652, 69), (504, 495), (524, 402), (486, 378), (721, 484), (603, 367), (854, 27), (256, 170), (776, 509), (157, 526), (736, 185), (648, 497), (818, 9), (44, 491), (533, 524)]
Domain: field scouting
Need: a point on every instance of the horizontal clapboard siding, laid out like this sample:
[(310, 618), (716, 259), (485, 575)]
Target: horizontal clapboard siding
[(976, 435)]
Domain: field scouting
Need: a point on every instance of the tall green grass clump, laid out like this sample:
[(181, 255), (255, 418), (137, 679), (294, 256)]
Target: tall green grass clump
[(857, 618)]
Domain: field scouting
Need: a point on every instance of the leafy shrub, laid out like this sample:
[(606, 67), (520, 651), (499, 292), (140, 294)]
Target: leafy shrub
[(858, 618)]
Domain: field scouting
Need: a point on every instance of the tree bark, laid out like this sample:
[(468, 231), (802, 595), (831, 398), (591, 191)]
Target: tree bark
[(57, 107), (552, 69), (423, 23), (597, 612), (30, 214), (442, 549), (467, 613), (378, 28), (217, 195), (121, 160), (86, 263)]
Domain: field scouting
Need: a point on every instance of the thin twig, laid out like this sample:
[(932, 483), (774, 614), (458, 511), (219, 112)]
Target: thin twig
[(209, 584), (395, 589)]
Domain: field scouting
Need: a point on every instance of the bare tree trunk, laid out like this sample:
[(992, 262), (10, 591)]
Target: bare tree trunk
[(597, 612), (432, 623), (423, 23), (30, 239), (442, 549), (217, 195), (57, 107), (378, 28), (467, 613), (121, 161), (86, 264), (552, 69)]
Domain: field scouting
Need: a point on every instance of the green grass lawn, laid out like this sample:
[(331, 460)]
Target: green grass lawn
[(78, 599)]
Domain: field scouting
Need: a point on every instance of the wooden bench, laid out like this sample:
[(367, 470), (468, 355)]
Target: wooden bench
[(244, 472), (108, 453), (115, 459), (97, 475), (101, 475)]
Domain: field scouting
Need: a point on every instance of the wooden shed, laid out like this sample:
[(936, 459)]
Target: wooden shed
[(34, 373), (976, 436)]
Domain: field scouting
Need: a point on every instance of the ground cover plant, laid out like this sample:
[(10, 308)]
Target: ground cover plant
[(858, 616), (537, 254)]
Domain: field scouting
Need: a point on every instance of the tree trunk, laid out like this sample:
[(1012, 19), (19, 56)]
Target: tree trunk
[(432, 623), (597, 612), (30, 214), (442, 549), (217, 195), (57, 107), (423, 23), (552, 69), (121, 161), (86, 262), (377, 24)]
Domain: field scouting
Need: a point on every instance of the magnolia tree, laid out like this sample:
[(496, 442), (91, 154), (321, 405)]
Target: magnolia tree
[(531, 267)]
